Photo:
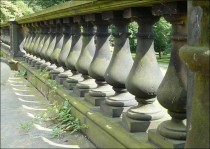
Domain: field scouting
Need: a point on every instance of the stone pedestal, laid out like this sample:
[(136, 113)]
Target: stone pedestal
[(119, 66), (72, 81), (94, 100), (196, 55), (112, 111), (60, 80), (84, 87), (138, 125), (172, 92), (164, 142), (99, 94)]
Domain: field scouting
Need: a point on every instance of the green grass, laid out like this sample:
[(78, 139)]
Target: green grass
[(164, 59)]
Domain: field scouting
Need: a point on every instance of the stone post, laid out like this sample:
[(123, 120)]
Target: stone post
[(25, 46), (172, 92), (15, 39), (76, 48), (54, 39), (145, 75), (66, 47), (36, 42), (196, 55), (100, 62), (119, 67), (86, 57), (44, 31)]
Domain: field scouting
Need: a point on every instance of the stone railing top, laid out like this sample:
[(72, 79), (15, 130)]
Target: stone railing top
[(74, 7)]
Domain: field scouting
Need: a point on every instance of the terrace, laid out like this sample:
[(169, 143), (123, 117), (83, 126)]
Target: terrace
[(65, 53)]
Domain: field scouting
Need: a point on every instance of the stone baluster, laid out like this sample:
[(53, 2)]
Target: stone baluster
[(76, 48), (30, 50), (28, 37), (100, 62), (36, 43), (172, 92), (66, 47), (43, 37), (69, 51), (196, 55), (48, 39), (119, 67), (51, 47), (145, 75), (86, 57), (32, 36), (56, 52)]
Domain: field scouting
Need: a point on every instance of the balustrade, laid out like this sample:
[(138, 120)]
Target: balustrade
[(172, 92), (71, 32), (43, 37), (54, 46), (100, 62), (145, 75), (119, 67), (86, 57), (83, 62), (62, 54), (75, 49)]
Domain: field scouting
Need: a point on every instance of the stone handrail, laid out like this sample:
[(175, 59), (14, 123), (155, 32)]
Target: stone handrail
[(71, 41)]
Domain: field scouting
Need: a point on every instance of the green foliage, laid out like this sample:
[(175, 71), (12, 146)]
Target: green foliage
[(44, 73), (9, 10), (1, 53), (21, 73), (26, 126), (133, 29), (45, 3), (64, 120), (162, 30), (52, 84)]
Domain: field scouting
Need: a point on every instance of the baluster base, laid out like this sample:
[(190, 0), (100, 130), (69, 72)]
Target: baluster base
[(148, 116), (55, 72), (38, 64), (63, 76), (44, 65), (99, 94), (70, 82), (137, 125), (84, 87), (164, 142), (33, 62), (60, 80), (112, 111), (96, 101)]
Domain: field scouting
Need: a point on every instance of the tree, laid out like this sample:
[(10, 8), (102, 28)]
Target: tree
[(162, 40), (13, 9)]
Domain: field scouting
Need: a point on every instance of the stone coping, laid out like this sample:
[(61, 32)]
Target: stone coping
[(103, 131), (74, 7)]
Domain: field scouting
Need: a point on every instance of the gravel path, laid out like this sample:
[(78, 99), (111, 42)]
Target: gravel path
[(20, 102)]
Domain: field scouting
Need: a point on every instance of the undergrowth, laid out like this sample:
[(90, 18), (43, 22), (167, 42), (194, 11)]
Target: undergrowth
[(44, 73), (63, 119), (21, 73), (53, 85), (60, 116)]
